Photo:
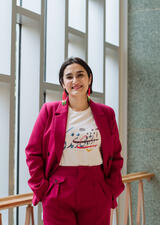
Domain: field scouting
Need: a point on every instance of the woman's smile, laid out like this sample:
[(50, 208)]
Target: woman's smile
[(76, 87)]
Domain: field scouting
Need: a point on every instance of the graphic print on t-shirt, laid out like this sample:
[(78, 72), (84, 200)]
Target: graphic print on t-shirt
[(82, 139)]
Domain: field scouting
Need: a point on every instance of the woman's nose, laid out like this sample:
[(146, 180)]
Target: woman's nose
[(75, 79)]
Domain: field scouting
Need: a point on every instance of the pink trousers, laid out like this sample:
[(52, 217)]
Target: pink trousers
[(77, 195)]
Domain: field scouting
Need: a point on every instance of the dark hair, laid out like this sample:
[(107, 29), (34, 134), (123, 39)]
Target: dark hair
[(79, 61)]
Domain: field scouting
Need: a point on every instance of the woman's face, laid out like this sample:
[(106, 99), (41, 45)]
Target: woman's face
[(76, 80)]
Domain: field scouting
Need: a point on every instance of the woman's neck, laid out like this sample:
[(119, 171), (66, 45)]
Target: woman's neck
[(78, 104)]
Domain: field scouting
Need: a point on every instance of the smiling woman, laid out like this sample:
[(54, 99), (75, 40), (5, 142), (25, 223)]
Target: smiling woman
[(76, 78), (74, 154)]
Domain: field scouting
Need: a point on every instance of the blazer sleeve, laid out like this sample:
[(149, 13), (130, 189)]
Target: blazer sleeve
[(114, 178), (37, 182)]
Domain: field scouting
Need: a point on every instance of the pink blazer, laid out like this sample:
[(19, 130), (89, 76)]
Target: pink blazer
[(45, 147)]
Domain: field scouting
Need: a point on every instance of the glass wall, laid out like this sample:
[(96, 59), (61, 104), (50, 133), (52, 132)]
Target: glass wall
[(96, 42), (77, 14), (4, 140), (55, 38), (76, 46), (112, 22), (29, 98), (34, 6), (112, 79), (5, 37)]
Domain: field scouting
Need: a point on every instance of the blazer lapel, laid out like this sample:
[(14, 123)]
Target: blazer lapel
[(101, 120), (60, 124)]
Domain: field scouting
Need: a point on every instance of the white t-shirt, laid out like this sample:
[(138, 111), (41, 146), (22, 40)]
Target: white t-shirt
[(82, 140)]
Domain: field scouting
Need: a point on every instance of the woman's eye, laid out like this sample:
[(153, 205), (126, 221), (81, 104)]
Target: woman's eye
[(80, 75), (69, 77)]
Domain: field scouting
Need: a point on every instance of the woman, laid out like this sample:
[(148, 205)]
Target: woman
[(73, 154)]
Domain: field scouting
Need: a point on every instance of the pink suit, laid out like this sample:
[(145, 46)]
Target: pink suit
[(44, 150)]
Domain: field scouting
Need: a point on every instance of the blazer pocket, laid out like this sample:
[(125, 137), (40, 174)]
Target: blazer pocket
[(54, 184)]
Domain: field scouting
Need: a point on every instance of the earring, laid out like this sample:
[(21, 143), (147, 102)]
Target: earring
[(64, 96), (89, 92)]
